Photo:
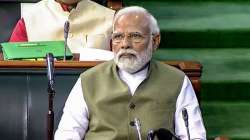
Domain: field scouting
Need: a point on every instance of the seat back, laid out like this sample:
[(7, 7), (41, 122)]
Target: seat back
[(9, 14), (193, 70)]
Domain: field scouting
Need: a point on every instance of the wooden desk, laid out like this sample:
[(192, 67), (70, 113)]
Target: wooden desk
[(190, 68)]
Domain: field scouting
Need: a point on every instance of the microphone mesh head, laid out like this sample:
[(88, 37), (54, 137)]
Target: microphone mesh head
[(185, 114), (164, 134), (66, 27)]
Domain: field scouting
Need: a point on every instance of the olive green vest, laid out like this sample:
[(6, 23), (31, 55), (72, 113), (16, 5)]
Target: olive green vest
[(112, 108)]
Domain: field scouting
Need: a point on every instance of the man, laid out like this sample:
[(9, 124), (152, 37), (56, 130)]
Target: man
[(45, 22), (109, 100)]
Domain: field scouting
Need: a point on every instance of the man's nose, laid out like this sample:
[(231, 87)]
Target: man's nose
[(126, 43)]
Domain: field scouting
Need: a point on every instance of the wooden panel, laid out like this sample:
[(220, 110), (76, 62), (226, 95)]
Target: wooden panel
[(191, 68), (115, 4)]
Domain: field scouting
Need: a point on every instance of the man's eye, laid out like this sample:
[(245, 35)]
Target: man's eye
[(136, 35), (117, 37)]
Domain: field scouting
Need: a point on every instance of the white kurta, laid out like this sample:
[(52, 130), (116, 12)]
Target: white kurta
[(74, 122), (90, 24)]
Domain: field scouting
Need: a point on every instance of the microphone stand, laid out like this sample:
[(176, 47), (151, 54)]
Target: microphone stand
[(51, 94), (50, 115), (66, 32), (65, 47)]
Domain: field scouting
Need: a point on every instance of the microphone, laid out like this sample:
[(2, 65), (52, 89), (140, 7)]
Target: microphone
[(164, 134), (185, 118), (150, 135), (50, 69), (66, 33), (138, 128)]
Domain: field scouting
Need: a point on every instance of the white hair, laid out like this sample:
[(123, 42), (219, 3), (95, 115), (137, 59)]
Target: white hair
[(136, 9)]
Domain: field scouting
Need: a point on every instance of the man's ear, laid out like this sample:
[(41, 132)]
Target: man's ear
[(156, 41)]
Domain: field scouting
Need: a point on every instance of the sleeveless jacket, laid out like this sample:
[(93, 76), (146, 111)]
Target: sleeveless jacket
[(112, 109)]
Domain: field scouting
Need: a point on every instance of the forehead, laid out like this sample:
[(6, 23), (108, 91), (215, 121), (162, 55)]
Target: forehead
[(132, 22)]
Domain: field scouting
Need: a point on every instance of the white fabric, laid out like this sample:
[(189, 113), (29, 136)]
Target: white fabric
[(89, 22), (25, 6), (74, 121), (92, 54), (133, 80)]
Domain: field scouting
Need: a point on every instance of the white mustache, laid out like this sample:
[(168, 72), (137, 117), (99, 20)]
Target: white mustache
[(126, 51)]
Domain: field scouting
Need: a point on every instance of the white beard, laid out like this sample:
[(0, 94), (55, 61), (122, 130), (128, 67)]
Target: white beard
[(135, 61)]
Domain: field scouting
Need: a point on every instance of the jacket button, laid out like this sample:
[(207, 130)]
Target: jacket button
[(132, 123), (131, 105)]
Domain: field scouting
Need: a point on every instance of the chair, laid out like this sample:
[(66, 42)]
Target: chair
[(193, 70), (112, 4), (9, 14), (221, 138)]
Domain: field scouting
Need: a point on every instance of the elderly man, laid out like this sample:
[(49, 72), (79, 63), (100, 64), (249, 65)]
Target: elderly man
[(111, 100), (44, 21)]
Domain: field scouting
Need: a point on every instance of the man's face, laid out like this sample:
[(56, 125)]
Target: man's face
[(132, 42), (69, 1)]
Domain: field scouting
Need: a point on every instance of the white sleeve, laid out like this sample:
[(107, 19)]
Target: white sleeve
[(74, 121), (187, 99)]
